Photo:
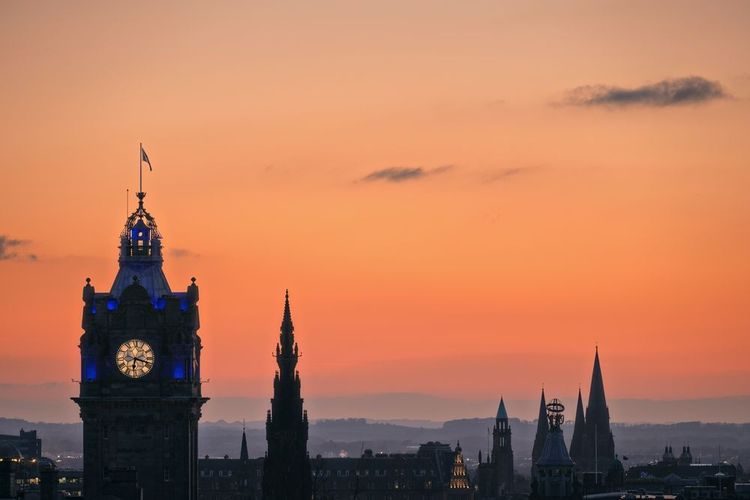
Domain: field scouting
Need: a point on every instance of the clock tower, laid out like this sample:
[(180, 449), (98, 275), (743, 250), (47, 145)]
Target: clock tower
[(140, 390)]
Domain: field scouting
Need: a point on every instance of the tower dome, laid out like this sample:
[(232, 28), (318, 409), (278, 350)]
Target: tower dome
[(141, 254)]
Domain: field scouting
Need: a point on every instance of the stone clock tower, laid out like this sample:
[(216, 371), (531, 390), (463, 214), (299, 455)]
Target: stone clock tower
[(140, 391)]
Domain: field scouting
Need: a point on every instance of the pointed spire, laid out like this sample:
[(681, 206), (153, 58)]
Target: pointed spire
[(579, 429), (286, 322), (243, 448), (597, 413), (502, 413), (542, 429)]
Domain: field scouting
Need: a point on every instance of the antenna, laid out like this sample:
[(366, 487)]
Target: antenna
[(127, 202)]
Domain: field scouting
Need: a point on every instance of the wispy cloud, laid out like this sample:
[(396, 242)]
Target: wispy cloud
[(401, 174), (673, 92), (182, 252), (9, 246), (506, 173)]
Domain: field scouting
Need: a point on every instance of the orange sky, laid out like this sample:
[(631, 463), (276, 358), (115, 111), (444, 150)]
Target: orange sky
[(555, 226)]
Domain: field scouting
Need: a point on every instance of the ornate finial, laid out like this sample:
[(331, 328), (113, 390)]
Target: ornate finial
[(88, 281), (555, 411), (286, 294), (193, 281), (135, 279)]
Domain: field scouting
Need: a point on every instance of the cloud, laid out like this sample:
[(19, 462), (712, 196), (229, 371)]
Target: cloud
[(7, 246), (401, 174), (674, 92), (182, 252), (507, 173)]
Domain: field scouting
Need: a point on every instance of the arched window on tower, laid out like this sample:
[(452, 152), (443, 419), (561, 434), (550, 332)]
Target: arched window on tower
[(140, 239)]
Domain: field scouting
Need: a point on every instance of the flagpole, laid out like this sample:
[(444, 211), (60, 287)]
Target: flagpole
[(140, 168)]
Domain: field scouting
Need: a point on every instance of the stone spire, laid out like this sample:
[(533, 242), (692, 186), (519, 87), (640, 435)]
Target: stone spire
[(577, 442), (502, 413), (286, 470), (599, 446), (542, 428), (597, 412), (243, 448)]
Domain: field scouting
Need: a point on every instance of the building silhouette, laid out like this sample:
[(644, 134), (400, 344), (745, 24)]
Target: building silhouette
[(286, 471), (495, 476), (542, 429), (592, 446), (140, 389), (554, 471)]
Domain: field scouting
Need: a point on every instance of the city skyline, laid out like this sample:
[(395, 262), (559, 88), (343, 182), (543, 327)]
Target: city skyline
[(499, 227)]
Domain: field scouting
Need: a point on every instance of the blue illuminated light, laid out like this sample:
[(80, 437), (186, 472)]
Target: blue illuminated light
[(159, 304), (90, 370), (183, 304), (93, 308), (179, 371), (111, 304)]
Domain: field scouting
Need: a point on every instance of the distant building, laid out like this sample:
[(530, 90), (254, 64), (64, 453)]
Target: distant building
[(27, 443), (495, 476), (678, 475), (435, 472)]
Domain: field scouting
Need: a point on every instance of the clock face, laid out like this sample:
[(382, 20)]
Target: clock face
[(135, 358)]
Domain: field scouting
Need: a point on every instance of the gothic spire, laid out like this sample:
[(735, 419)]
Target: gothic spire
[(243, 448), (576, 443), (542, 428), (597, 413), (502, 413)]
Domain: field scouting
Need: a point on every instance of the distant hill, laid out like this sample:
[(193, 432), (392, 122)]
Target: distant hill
[(51, 402), (640, 443)]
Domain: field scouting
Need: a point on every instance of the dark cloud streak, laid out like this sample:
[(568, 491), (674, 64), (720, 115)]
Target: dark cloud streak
[(674, 92), (401, 174)]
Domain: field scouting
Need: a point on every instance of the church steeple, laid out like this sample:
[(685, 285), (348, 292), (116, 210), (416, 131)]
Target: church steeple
[(542, 428), (597, 413), (577, 442), (244, 455), (598, 451)]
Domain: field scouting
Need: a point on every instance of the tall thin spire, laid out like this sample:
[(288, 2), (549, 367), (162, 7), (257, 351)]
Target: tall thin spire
[(286, 469), (576, 443), (502, 413), (599, 445), (243, 448), (597, 412), (542, 428)]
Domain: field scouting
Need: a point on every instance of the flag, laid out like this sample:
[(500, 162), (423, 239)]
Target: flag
[(144, 157)]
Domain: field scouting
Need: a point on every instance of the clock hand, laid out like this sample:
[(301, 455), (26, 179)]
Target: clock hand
[(141, 360)]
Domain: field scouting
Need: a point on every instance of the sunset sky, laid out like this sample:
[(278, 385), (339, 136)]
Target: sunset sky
[(463, 198)]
